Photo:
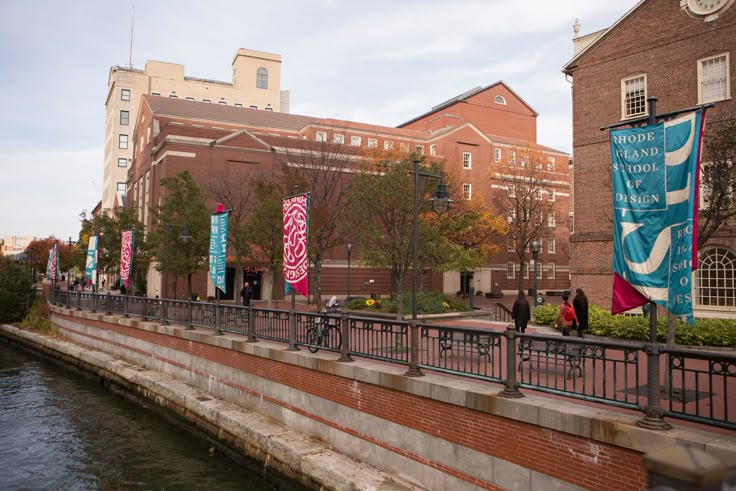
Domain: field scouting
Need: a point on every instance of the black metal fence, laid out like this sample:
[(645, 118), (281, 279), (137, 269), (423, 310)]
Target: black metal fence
[(701, 385)]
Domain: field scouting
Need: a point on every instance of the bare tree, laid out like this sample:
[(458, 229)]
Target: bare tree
[(234, 187), (718, 180), (528, 199), (323, 169)]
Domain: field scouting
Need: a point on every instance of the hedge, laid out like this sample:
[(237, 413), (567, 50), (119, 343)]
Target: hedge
[(705, 332)]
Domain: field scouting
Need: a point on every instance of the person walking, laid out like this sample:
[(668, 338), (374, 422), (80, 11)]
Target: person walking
[(246, 293), (521, 313), (566, 316), (580, 304)]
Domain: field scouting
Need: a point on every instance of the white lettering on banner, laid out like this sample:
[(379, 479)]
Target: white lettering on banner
[(634, 168), (644, 198), (633, 138)]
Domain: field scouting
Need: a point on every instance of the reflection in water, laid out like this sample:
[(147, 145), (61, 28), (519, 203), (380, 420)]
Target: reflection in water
[(60, 430)]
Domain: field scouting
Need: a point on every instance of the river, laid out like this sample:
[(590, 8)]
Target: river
[(62, 430)]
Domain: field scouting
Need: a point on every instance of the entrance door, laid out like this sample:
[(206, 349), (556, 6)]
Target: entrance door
[(253, 277)]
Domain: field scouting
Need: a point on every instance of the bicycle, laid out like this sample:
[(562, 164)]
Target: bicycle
[(329, 336)]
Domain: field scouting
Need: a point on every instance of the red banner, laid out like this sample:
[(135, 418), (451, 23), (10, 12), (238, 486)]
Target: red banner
[(296, 228), (126, 257)]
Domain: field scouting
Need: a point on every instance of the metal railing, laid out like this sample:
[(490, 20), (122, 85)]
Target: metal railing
[(701, 388)]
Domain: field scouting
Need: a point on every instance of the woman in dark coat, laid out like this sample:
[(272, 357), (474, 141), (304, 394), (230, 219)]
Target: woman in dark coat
[(580, 304), (521, 313)]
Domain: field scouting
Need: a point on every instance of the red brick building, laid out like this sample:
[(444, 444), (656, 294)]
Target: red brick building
[(476, 134), (681, 52)]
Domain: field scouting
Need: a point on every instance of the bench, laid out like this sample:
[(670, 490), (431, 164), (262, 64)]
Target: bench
[(479, 341), (569, 356)]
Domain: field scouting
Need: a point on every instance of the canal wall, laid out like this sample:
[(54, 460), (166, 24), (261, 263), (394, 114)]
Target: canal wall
[(435, 432)]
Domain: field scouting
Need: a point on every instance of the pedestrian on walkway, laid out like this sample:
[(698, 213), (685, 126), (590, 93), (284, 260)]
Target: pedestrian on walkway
[(521, 313), (246, 293), (566, 316), (580, 304)]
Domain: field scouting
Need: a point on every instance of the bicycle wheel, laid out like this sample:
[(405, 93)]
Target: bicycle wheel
[(336, 336), (314, 340)]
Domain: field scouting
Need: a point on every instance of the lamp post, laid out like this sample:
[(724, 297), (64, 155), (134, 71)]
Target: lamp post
[(535, 252), (183, 236), (440, 203), (350, 251)]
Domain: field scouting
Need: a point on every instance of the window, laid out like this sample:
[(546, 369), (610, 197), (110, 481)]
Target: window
[(237, 104), (121, 188), (269, 109), (206, 100), (123, 141), (433, 150), (551, 270), (404, 147), (713, 84), (122, 162), (125, 95), (529, 266), (499, 100), (511, 215), (388, 145), (190, 98), (510, 271), (538, 218), (253, 107), (124, 117), (497, 155), (467, 190), (716, 278), (419, 149), (223, 103), (510, 245), (525, 161), (339, 139), (355, 141), (511, 191), (551, 195), (372, 143), (634, 96), (173, 96), (321, 136), (538, 194), (550, 163), (261, 78), (467, 160), (551, 246), (551, 220), (512, 158)]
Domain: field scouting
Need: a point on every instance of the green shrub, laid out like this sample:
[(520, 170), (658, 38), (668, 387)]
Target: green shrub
[(705, 332), (16, 291), (428, 302)]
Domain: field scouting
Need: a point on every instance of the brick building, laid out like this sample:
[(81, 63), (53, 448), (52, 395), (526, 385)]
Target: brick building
[(682, 53), (173, 135)]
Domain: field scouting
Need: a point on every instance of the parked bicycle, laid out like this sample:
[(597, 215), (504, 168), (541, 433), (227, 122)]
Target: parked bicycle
[(324, 332)]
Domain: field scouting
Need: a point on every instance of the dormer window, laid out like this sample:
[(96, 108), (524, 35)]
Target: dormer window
[(499, 99)]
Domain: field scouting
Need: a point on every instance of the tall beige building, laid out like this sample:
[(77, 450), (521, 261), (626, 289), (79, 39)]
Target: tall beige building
[(256, 84)]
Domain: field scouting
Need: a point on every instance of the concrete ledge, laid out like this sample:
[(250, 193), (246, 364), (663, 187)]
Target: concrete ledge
[(605, 426), (279, 447)]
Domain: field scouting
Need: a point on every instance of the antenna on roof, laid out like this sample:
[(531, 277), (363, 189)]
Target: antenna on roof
[(132, 19)]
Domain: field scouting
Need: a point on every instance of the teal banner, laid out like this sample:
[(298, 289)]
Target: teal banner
[(218, 249), (91, 264)]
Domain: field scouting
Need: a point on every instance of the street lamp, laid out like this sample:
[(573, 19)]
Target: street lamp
[(69, 265), (440, 203), (536, 247), (184, 237), (350, 251)]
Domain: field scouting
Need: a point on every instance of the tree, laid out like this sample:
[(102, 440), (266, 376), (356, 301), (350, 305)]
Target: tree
[(528, 200), (382, 199), (234, 187), (264, 230), (183, 208), (324, 170), (16, 291), (109, 226), (718, 180)]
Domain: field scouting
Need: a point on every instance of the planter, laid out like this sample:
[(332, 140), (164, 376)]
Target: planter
[(494, 295)]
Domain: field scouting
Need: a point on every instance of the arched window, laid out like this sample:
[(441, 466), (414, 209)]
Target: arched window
[(262, 78), (716, 283), (499, 100)]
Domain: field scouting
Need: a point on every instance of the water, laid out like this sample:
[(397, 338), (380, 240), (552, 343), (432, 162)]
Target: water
[(61, 430)]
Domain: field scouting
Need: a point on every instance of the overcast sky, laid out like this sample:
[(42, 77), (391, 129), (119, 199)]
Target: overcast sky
[(380, 62)]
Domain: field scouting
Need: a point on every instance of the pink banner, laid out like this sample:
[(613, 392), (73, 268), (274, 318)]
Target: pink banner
[(126, 257), (296, 227)]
